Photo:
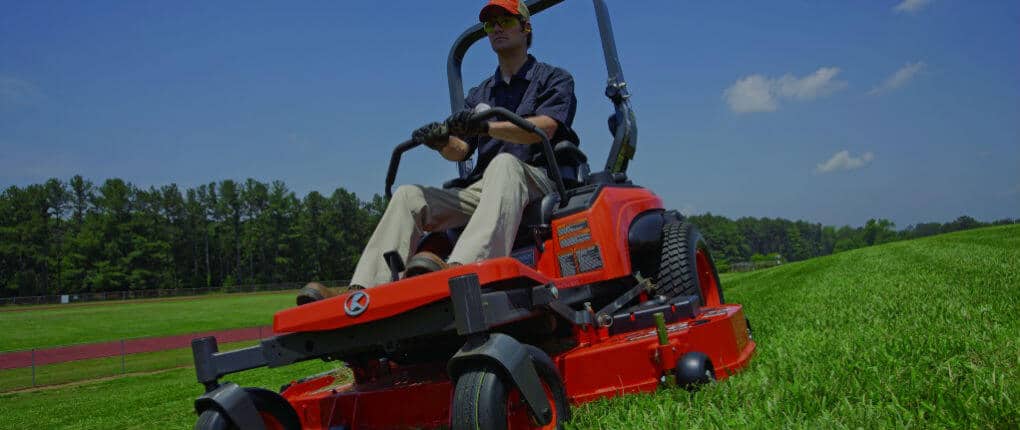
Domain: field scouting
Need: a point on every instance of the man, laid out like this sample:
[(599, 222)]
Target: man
[(502, 182)]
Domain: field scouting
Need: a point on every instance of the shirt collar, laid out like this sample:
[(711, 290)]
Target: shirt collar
[(523, 73)]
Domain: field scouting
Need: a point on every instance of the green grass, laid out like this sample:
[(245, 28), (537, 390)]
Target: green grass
[(154, 401), (909, 334), (47, 327)]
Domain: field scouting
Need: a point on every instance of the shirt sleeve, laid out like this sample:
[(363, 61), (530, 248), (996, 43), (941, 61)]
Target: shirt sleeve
[(558, 102), (469, 103)]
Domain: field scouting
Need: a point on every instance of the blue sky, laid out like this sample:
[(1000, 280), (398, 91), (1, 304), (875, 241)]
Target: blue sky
[(833, 112)]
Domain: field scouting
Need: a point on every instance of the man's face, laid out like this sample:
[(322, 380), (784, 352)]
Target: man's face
[(507, 32)]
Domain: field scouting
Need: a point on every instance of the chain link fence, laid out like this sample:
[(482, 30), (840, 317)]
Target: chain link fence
[(155, 294)]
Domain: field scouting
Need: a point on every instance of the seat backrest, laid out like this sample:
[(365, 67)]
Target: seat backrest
[(573, 164)]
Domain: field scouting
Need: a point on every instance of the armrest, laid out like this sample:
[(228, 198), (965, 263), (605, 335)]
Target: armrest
[(566, 151)]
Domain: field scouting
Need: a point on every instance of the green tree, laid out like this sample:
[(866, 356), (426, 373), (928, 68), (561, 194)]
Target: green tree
[(255, 198), (878, 231), (229, 214), (962, 223)]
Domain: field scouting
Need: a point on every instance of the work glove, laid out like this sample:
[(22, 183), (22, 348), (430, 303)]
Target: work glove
[(460, 124), (434, 135)]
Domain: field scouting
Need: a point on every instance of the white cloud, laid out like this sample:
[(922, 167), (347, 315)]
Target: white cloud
[(820, 83), (843, 161), (757, 93), (911, 6), (900, 78), (751, 94)]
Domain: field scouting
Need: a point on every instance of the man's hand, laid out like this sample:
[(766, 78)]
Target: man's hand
[(461, 125), (435, 135)]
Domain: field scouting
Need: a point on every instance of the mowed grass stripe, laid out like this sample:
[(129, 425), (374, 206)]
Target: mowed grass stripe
[(919, 333), (909, 334), (51, 327), (82, 370)]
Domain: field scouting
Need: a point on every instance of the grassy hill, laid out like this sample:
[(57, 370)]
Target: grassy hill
[(913, 333), (909, 334)]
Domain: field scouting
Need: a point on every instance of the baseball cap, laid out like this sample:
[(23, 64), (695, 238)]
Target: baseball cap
[(515, 7)]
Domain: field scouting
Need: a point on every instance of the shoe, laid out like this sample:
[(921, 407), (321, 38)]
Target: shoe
[(426, 262), (314, 291)]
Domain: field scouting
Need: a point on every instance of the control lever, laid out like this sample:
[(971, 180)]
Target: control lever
[(395, 263), (543, 231)]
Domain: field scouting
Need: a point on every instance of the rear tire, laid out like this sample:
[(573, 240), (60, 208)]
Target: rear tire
[(685, 266), (485, 399)]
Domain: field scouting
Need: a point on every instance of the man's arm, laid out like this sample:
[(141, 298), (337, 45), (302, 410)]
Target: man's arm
[(505, 130), (457, 149)]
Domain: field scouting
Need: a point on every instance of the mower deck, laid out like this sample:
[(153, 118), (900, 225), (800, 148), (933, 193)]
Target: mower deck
[(604, 366)]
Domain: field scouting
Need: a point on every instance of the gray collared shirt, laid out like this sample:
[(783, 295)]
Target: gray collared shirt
[(536, 89)]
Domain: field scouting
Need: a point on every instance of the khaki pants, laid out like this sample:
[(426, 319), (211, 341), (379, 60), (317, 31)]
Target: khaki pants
[(490, 208)]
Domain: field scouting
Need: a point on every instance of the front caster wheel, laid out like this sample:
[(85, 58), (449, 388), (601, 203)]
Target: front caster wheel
[(693, 370), (275, 412), (486, 399)]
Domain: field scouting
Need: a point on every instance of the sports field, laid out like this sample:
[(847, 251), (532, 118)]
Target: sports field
[(25, 327), (909, 334), (50, 326)]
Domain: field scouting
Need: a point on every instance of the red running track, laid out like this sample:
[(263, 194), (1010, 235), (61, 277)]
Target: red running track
[(20, 359)]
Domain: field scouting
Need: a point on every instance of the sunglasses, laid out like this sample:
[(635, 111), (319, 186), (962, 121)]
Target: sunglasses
[(504, 22)]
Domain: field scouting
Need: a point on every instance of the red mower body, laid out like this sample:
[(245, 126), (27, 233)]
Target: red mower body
[(612, 212), (391, 395)]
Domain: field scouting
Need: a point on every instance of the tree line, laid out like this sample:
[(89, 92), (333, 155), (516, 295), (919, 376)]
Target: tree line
[(749, 239), (76, 236)]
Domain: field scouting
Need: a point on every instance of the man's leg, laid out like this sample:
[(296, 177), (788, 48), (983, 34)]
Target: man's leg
[(507, 186), (412, 211)]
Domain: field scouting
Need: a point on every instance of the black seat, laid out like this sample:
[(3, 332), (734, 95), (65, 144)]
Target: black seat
[(573, 164)]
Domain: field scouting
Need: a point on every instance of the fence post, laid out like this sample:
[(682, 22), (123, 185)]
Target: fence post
[(123, 368), (33, 367)]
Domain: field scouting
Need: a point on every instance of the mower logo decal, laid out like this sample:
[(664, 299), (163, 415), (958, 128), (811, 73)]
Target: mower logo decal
[(356, 303)]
